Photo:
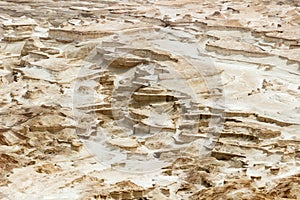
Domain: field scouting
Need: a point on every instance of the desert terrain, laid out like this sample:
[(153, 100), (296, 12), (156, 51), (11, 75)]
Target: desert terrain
[(150, 99)]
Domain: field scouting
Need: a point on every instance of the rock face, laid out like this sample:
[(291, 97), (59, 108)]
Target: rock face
[(149, 99)]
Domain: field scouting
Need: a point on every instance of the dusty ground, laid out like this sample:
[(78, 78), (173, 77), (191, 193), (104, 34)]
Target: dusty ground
[(150, 99)]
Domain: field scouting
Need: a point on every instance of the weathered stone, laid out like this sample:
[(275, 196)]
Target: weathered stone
[(149, 99)]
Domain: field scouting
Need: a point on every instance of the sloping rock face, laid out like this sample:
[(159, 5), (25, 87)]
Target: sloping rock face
[(149, 99)]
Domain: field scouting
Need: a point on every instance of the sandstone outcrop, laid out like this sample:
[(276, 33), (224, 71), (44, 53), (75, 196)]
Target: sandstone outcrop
[(149, 99)]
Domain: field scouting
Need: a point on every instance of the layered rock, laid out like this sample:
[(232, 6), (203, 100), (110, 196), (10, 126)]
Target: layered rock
[(171, 100)]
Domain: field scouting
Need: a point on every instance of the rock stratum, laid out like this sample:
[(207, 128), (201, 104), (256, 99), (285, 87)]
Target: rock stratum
[(150, 99)]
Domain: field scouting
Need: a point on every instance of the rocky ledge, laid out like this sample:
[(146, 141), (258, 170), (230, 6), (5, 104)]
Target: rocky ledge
[(149, 99)]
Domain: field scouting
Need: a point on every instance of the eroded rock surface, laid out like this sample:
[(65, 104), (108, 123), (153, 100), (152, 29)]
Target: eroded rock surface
[(149, 99)]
